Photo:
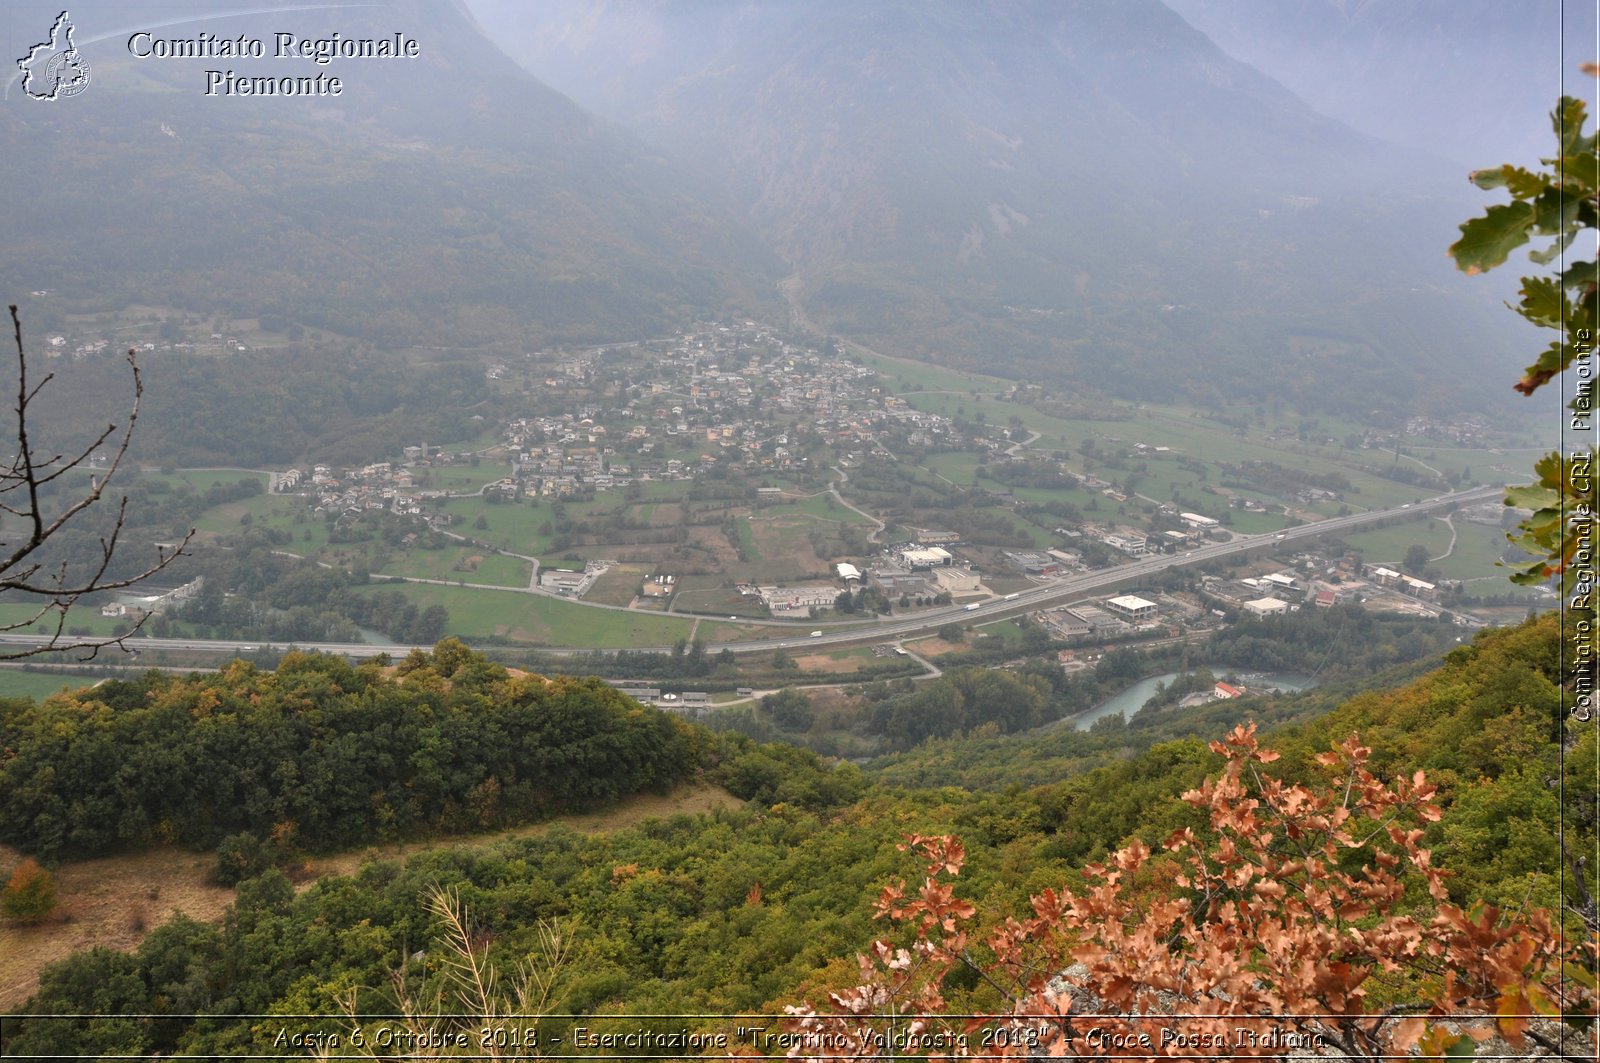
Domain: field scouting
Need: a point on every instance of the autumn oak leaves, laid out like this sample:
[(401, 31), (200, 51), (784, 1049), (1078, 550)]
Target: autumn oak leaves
[(1296, 917)]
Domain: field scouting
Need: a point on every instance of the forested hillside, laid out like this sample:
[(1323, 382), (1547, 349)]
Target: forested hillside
[(450, 200), (741, 911), (323, 754)]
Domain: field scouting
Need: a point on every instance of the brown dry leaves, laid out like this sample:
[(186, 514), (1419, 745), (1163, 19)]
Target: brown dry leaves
[(1261, 937)]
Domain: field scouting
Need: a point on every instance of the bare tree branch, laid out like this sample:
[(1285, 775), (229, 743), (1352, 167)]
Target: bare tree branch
[(57, 586)]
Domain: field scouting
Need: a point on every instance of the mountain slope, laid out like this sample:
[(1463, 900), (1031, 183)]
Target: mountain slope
[(446, 199), (1401, 69), (1089, 192)]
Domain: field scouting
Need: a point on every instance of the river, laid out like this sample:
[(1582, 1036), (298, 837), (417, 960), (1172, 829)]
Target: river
[(1132, 699)]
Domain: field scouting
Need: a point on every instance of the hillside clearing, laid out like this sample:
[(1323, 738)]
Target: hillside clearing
[(114, 901)]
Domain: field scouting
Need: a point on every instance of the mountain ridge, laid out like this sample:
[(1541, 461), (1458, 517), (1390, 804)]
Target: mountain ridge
[(447, 199), (1055, 189)]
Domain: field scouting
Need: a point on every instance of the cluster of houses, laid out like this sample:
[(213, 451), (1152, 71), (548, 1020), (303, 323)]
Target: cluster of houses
[(1466, 431), (56, 346), (1220, 691), (725, 393), (797, 601), (581, 461), (922, 568), (1323, 584), (1388, 577), (1137, 542), (379, 487), (1042, 563), (77, 349), (915, 569)]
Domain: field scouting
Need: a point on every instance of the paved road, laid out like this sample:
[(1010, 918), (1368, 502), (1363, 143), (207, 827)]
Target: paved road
[(833, 489), (1087, 584), (1055, 593)]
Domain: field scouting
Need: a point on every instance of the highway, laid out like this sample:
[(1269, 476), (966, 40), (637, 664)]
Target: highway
[(1090, 583), (1044, 596)]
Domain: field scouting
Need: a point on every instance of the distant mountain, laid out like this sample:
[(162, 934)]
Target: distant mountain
[(1469, 80), (448, 199), (1086, 191)]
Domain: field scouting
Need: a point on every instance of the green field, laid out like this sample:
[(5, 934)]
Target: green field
[(1476, 549), (1006, 631), (826, 507), (267, 511), (17, 683), (712, 631), (956, 467), (716, 601), (461, 479), (84, 618), (747, 542), (512, 526), (540, 620), (906, 378), (1186, 431), (461, 563), (1246, 523), (1387, 546)]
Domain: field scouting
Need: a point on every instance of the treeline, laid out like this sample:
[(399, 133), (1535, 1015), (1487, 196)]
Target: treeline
[(688, 660), (1342, 641), (323, 754), (963, 700), (1272, 478), (982, 522), (156, 511), (1346, 641), (185, 498), (1409, 474), (660, 918), (1005, 701), (689, 666), (396, 615), (254, 591), (1029, 474)]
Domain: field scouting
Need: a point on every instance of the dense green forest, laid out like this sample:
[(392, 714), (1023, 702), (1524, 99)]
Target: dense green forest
[(323, 753), (345, 405), (742, 910)]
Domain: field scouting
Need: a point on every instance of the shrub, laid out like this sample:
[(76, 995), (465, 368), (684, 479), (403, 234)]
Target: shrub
[(241, 856), (30, 896)]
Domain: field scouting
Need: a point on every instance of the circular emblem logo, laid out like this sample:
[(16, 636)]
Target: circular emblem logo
[(67, 73)]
